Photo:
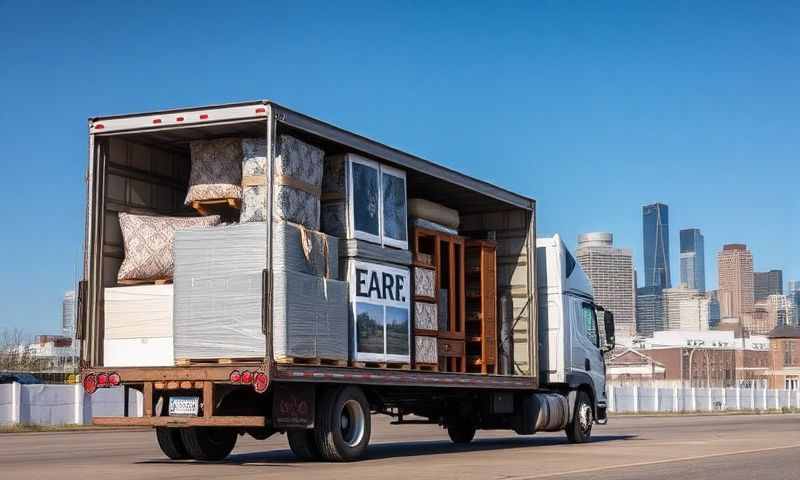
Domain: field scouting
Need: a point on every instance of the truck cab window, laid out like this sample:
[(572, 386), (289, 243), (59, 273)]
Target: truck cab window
[(589, 323)]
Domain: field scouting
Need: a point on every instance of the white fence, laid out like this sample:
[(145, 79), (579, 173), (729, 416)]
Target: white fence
[(68, 404), (654, 399), (62, 404)]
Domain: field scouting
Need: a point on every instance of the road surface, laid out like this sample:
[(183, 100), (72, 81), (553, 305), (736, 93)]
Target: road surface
[(711, 447)]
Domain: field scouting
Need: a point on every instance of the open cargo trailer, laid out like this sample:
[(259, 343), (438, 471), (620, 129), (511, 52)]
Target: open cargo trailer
[(139, 164)]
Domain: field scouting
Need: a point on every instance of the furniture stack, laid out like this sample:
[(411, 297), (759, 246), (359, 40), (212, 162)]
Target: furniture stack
[(364, 203)]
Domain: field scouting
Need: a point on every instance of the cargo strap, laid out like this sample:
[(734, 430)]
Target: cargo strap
[(298, 184), (254, 181)]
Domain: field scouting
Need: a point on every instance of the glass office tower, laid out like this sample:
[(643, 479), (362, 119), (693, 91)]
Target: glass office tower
[(693, 269), (655, 223)]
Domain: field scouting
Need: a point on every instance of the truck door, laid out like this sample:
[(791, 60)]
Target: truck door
[(586, 355)]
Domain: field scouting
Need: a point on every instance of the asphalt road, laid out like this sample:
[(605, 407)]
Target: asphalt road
[(742, 447)]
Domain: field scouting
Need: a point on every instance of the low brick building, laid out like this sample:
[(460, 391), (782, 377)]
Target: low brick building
[(784, 348)]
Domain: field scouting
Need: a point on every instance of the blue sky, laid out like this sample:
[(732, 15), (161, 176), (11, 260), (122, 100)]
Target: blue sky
[(592, 108)]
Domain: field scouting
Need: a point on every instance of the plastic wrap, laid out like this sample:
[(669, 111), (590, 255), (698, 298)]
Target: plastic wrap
[(138, 352), (429, 225), (353, 248), (310, 318), (254, 187), (218, 292), (299, 249)]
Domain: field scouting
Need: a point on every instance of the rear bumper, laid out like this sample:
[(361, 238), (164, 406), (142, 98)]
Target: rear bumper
[(220, 421)]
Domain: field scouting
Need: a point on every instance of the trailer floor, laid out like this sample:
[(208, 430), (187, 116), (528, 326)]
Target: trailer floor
[(719, 447)]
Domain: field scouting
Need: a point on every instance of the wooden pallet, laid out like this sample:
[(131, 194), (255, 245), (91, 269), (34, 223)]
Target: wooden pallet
[(325, 362), (160, 281), (203, 207), (383, 365), (425, 367), (182, 362)]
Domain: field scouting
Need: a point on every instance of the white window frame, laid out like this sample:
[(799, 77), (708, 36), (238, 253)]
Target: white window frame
[(393, 242), (791, 382), (351, 214)]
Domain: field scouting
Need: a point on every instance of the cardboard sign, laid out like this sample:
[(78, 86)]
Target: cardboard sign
[(380, 298)]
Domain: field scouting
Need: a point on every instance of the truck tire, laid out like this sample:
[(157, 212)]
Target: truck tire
[(171, 443), (579, 430), (461, 430), (303, 444), (208, 443), (343, 424)]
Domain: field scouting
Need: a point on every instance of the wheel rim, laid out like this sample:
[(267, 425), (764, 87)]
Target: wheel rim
[(352, 423), (585, 418)]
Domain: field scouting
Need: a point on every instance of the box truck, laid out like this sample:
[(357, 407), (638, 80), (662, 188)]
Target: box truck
[(252, 270)]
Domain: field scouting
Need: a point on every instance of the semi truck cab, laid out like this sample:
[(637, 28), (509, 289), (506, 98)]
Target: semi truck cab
[(571, 344)]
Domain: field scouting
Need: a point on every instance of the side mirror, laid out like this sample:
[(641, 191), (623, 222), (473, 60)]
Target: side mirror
[(608, 323)]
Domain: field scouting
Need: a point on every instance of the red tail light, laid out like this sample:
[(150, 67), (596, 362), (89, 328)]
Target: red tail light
[(90, 383), (179, 119), (235, 376), (102, 380), (204, 117), (261, 110), (99, 126), (247, 377), (261, 382), (114, 379)]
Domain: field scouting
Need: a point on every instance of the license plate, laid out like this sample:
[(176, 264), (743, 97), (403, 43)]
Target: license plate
[(183, 406)]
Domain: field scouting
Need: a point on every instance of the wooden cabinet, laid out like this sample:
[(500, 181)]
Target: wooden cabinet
[(444, 255), (481, 306)]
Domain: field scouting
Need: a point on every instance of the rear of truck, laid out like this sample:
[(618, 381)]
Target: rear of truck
[(215, 356)]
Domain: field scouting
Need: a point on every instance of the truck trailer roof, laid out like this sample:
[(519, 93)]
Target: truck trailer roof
[(255, 111)]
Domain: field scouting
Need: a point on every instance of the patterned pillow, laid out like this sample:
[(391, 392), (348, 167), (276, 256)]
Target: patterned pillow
[(148, 244), (216, 170)]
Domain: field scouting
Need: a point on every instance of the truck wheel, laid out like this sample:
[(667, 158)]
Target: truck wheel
[(343, 424), (208, 443), (461, 430), (170, 442), (579, 430), (303, 444)]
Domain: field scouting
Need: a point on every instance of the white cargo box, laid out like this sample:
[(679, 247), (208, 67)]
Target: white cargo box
[(138, 329)]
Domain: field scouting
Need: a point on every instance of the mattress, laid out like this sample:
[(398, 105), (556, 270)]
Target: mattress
[(421, 208), (254, 183), (297, 182)]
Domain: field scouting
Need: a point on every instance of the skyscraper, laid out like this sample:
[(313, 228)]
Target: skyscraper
[(655, 233), (693, 266), (735, 281), (767, 283), (611, 273), (649, 310), (673, 299)]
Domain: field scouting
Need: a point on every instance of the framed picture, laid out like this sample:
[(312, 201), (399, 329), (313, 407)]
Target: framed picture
[(380, 298)]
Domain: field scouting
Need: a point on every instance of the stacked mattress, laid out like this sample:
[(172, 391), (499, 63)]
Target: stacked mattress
[(138, 326)]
